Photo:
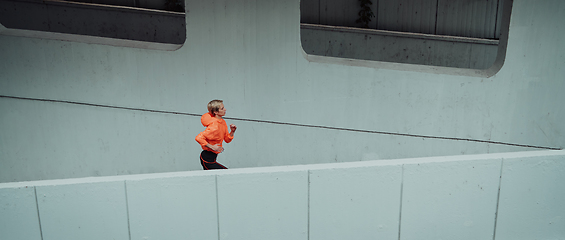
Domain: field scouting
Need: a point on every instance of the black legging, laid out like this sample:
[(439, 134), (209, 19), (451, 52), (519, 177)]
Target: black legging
[(208, 161)]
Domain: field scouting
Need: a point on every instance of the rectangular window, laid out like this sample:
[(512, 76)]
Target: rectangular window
[(447, 33), (95, 23)]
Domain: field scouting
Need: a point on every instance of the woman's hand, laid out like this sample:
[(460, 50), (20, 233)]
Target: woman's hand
[(232, 128), (215, 148)]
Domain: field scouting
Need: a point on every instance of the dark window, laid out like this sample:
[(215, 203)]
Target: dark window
[(128, 26), (448, 33)]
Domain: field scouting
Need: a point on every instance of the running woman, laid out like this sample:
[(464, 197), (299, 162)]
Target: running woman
[(215, 134)]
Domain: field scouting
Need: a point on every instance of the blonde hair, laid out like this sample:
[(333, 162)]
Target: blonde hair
[(214, 106)]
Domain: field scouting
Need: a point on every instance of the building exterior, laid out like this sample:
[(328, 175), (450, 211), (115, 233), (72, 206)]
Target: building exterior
[(85, 107)]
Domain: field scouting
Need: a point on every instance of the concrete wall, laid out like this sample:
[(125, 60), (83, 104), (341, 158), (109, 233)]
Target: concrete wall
[(248, 53), (493, 196)]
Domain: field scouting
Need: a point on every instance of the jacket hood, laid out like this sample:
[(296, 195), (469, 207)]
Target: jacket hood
[(207, 119)]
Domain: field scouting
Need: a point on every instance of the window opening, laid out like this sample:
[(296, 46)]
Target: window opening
[(448, 33), (154, 24)]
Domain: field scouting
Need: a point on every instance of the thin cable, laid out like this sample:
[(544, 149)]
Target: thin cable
[(100, 105), (288, 124), (395, 134)]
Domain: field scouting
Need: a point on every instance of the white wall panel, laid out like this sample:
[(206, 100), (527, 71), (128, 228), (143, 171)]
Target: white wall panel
[(453, 197), (91, 210), (173, 208), (267, 205), (450, 200), (355, 203), (18, 213), (531, 198)]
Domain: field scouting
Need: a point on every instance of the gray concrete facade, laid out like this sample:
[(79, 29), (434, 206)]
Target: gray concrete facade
[(78, 109)]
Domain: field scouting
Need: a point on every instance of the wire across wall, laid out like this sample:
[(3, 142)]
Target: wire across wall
[(287, 123)]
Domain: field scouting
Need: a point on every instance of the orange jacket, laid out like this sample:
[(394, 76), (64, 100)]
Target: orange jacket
[(216, 132)]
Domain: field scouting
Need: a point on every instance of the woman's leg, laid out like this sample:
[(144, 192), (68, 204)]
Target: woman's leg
[(208, 161)]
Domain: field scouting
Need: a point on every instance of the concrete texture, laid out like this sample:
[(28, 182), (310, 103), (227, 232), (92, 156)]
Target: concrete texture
[(83, 211), (450, 200), (531, 199), (248, 53), (18, 213), (362, 202), (489, 196), (173, 208), (269, 205)]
